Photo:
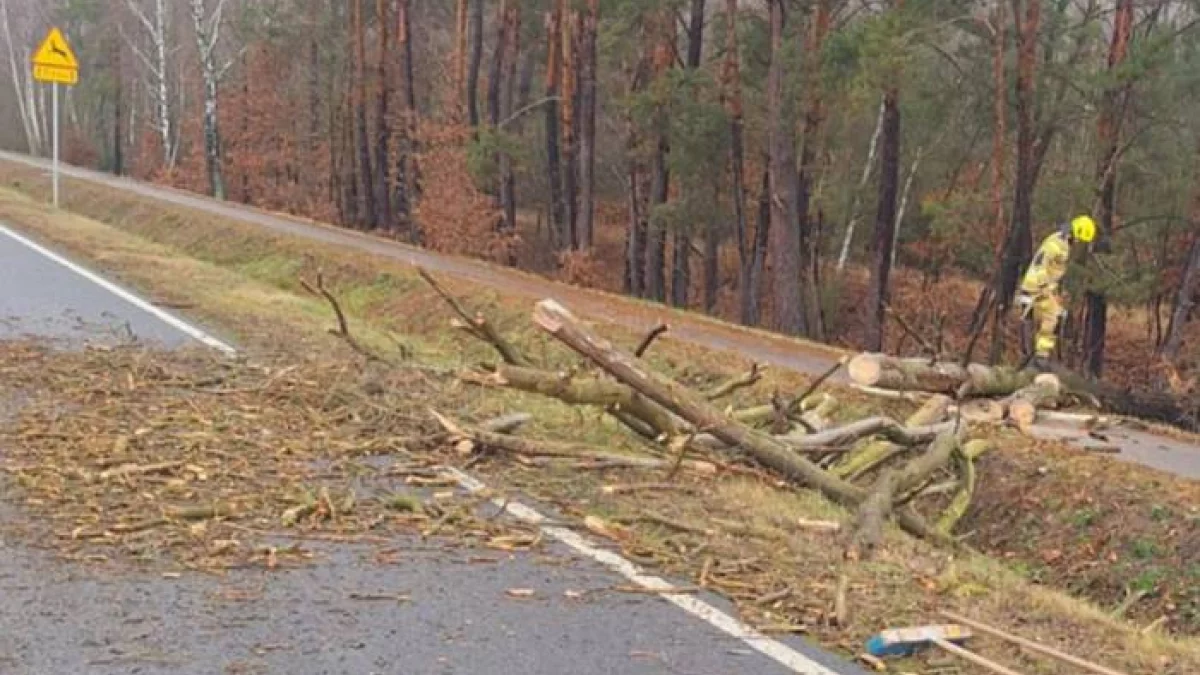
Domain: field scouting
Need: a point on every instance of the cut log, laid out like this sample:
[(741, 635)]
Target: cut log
[(560, 323), (888, 372), (906, 374), (983, 410), (818, 417), (874, 452), (867, 532), (1024, 404)]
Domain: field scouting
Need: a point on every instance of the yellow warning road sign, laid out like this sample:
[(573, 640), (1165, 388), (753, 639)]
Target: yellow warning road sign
[(54, 61)]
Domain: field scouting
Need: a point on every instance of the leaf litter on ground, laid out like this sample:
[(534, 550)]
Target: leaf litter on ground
[(189, 460)]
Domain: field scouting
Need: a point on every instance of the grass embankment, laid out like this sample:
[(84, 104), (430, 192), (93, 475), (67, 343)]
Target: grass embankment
[(236, 277)]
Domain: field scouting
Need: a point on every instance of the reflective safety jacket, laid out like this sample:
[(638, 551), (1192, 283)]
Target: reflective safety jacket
[(1048, 267)]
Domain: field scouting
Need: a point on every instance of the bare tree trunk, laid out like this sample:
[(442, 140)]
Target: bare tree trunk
[(758, 257), (1108, 133), (712, 257), (383, 132), (786, 265), (570, 141), (370, 216), (999, 110), (118, 132), (476, 37), (159, 69), (731, 92), (558, 226), (868, 166), (508, 186), (208, 33), (496, 72), (656, 233), (1019, 243), (656, 244), (813, 117), (1189, 285), (681, 267), (635, 238), (22, 86), (885, 221), (587, 125), (406, 161), (460, 57)]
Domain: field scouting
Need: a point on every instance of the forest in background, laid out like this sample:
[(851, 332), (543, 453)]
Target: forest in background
[(814, 167)]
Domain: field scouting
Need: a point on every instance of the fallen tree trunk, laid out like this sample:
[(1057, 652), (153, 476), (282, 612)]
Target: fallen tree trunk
[(872, 453), (590, 391), (557, 321), (1182, 412), (941, 377), (883, 372)]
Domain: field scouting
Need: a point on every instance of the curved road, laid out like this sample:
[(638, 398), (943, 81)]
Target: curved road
[(1170, 455)]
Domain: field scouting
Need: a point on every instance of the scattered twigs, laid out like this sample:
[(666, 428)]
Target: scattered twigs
[(630, 488), (649, 339), (531, 448), (747, 379), (912, 332), (343, 328), (130, 470), (477, 325), (1031, 645), (799, 399)]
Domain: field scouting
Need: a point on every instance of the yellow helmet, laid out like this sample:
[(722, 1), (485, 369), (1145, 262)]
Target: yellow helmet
[(1083, 229)]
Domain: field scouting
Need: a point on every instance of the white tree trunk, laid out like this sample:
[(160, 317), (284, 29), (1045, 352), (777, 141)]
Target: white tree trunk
[(862, 184), (22, 86), (208, 33), (156, 29)]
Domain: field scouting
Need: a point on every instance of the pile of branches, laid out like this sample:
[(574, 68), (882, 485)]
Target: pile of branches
[(877, 467)]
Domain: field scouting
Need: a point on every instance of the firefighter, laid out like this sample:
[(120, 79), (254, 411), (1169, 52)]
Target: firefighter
[(1039, 291)]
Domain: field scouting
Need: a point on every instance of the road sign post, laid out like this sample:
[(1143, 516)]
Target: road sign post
[(54, 63)]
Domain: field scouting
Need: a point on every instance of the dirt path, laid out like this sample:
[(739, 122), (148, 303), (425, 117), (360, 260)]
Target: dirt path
[(1171, 455)]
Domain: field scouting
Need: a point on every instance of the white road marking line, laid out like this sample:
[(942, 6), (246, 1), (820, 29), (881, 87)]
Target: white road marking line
[(781, 653), (165, 317)]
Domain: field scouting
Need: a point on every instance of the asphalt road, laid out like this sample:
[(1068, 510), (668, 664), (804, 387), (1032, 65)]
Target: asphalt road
[(456, 617), (40, 297), (1165, 454)]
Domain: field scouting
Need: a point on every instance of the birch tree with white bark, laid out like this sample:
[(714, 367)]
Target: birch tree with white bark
[(155, 25), (208, 34), (25, 90)]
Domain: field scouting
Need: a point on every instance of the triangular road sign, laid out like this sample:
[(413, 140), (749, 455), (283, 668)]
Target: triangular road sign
[(55, 52)]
